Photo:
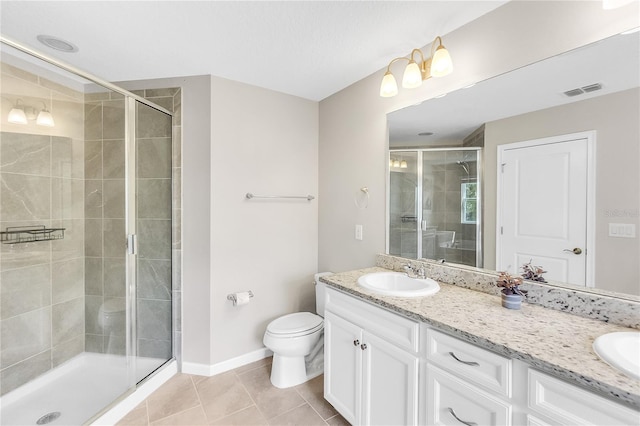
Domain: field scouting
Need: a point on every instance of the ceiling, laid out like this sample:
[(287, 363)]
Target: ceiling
[(309, 49)]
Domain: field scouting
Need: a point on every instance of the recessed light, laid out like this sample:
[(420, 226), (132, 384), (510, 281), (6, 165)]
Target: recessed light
[(57, 43)]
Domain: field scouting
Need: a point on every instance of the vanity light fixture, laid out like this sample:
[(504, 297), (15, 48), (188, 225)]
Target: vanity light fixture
[(17, 114), (402, 164), (22, 114), (438, 65)]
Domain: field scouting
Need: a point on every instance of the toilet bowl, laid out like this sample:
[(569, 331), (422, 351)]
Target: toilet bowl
[(297, 342), (111, 317)]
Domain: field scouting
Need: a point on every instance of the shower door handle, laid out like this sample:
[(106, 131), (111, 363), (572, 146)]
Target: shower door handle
[(132, 244)]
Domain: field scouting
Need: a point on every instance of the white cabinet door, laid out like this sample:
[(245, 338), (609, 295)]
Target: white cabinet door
[(343, 366), (390, 383)]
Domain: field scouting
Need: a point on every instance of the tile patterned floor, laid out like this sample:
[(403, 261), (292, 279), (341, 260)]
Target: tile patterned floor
[(244, 396)]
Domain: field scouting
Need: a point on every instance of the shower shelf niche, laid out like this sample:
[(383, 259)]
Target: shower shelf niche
[(29, 234)]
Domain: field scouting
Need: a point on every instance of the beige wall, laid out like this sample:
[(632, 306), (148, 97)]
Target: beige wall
[(615, 119), (266, 143), (353, 138)]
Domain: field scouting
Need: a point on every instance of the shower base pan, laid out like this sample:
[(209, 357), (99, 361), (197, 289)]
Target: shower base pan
[(74, 392)]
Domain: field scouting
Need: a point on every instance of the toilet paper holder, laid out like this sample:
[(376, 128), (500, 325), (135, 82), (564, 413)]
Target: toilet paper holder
[(234, 297)]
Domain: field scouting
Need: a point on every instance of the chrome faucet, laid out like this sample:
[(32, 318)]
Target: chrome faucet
[(412, 271)]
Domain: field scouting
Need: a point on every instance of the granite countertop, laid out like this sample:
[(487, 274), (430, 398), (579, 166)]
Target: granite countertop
[(551, 341)]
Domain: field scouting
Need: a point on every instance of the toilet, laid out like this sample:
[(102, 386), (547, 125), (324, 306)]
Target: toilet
[(111, 317), (297, 343)]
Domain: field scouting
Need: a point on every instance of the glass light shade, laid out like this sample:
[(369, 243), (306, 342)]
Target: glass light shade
[(396, 163), (441, 64), (17, 116), (412, 77), (403, 164), (389, 87), (45, 119), (390, 162)]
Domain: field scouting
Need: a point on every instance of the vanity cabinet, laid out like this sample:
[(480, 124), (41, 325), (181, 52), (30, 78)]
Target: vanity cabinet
[(371, 363)]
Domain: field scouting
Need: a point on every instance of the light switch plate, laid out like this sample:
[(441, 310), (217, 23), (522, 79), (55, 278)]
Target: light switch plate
[(622, 230)]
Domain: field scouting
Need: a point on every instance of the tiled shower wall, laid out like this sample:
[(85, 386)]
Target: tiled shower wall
[(41, 283)]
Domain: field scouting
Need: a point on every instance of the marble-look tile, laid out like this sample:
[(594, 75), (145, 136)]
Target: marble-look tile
[(151, 122), (154, 348), (176, 270), (72, 246), (67, 280), (25, 154), (154, 239), (15, 256), (93, 121), (25, 371), (93, 237), (154, 158), (176, 145), (115, 238), (248, 417), (114, 278), (67, 157), (94, 343), (67, 320), (176, 395), (91, 308), (113, 118), (114, 159), (113, 198), (61, 89), (222, 395), (93, 284), (24, 197), (66, 350), (114, 344), (154, 319), (154, 279), (337, 420), (164, 101), (164, 92), (69, 115), (93, 199), (98, 96), (93, 159), (24, 290), (303, 414), (154, 198), (24, 335), (67, 198), (270, 400)]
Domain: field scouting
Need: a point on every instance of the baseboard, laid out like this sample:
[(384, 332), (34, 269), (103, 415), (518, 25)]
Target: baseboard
[(221, 367), (141, 393)]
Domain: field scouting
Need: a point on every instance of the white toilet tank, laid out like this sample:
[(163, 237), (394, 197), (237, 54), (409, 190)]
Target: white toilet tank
[(320, 292)]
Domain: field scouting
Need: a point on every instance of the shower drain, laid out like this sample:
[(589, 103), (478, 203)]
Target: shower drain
[(48, 418)]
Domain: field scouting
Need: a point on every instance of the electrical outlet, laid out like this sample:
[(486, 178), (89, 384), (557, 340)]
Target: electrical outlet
[(359, 232)]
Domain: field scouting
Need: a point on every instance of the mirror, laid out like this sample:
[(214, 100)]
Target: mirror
[(592, 88)]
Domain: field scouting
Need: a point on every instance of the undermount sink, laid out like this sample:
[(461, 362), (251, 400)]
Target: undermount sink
[(398, 284), (621, 350)]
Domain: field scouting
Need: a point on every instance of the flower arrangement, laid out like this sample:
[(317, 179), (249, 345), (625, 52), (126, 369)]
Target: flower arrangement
[(510, 284), (533, 273)]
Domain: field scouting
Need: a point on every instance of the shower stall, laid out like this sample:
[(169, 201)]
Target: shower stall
[(86, 207), (435, 209)]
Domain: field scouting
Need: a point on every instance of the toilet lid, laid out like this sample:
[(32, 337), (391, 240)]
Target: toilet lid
[(295, 323)]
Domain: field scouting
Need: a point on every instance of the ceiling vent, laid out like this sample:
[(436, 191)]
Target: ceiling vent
[(584, 89)]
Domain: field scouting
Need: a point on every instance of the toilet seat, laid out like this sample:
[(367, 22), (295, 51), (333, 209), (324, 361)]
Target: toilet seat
[(295, 325)]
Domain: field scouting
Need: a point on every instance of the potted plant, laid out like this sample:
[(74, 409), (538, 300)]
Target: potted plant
[(511, 294), (533, 273)]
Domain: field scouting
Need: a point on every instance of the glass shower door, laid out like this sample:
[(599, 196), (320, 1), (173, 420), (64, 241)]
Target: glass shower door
[(403, 204), (153, 221)]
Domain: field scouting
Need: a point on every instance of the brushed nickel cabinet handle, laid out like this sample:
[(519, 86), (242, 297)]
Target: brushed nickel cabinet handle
[(473, 363), (453, 413)]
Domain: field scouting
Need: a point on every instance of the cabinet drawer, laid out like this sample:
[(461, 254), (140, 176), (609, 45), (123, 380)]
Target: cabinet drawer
[(452, 401), (569, 404), (475, 364), (394, 328)]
